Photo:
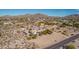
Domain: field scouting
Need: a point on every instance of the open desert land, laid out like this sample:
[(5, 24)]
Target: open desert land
[(51, 39), (47, 40)]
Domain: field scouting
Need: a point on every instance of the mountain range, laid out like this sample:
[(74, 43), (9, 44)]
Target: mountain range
[(39, 16)]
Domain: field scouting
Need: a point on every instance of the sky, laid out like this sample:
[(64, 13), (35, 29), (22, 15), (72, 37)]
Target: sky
[(50, 12)]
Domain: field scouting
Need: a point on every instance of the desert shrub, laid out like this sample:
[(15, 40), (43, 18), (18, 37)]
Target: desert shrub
[(71, 46), (39, 23), (40, 33), (76, 25), (0, 34), (47, 31), (34, 36), (28, 38), (1, 23), (72, 34), (64, 32)]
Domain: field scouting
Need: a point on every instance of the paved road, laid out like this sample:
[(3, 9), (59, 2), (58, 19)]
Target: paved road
[(60, 44)]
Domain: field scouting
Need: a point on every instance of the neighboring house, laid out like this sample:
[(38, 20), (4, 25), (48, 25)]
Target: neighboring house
[(5, 23), (54, 27), (35, 29), (42, 25), (22, 29), (19, 23)]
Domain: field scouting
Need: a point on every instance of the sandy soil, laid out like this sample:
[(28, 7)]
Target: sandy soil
[(47, 40)]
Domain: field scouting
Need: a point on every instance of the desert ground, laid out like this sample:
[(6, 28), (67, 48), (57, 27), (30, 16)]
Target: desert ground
[(40, 31)]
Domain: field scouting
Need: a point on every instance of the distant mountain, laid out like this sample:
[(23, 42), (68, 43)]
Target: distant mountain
[(32, 17), (36, 17), (72, 17)]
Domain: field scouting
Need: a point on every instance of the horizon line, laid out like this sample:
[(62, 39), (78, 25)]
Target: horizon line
[(34, 14)]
